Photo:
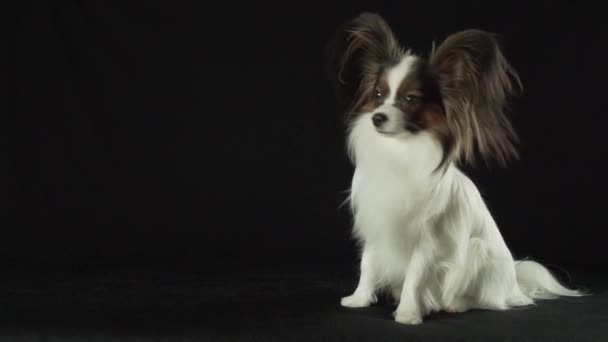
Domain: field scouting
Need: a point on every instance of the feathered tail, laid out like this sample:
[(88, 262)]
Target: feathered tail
[(537, 282)]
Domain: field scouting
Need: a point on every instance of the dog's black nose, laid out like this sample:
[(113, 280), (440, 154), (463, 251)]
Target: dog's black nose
[(379, 118)]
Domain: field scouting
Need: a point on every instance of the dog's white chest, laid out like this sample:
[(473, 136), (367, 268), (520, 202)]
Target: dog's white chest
[(385, 205)]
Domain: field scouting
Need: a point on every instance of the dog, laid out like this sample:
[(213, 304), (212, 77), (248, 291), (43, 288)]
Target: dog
[(426, 235)]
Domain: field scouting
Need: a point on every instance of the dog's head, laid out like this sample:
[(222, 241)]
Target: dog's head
[(458, 94)]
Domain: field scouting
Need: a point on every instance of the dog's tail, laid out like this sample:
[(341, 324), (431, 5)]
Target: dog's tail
[(537, 282)]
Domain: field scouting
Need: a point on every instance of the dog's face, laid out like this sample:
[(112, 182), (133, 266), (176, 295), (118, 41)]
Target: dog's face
[(457, 95), (405, 98)]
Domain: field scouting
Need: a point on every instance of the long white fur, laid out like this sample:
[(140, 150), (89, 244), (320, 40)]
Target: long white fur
[(428, 237)]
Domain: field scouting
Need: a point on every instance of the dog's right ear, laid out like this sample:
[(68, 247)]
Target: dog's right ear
[(476, 83), (356, 55)]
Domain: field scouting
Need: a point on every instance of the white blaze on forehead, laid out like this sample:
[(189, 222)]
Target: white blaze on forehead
[(396, 75)]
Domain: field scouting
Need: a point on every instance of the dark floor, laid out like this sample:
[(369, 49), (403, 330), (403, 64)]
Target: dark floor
[(262, 305)]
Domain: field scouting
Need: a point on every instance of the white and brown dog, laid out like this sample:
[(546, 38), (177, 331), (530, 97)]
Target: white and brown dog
[(425, 231)]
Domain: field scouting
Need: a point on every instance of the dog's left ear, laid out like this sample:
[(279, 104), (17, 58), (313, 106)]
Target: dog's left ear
[(356, 54), (476, 81)]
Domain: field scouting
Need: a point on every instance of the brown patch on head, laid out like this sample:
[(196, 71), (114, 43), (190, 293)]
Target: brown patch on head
[(432, 116), (374, 97), (410, 86), (419, 99)]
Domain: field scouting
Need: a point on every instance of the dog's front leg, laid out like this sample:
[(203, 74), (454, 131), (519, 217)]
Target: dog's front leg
[(409, 311), (364, 295)]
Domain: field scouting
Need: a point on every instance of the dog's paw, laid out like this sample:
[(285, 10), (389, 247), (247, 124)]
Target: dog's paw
[(408, 317), (457, 306), (357, 301)]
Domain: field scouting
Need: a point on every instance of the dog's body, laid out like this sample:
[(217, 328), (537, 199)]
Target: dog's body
[(427, 236), (433, 230)]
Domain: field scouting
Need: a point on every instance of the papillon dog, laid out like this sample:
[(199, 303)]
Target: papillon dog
[(426, 235)]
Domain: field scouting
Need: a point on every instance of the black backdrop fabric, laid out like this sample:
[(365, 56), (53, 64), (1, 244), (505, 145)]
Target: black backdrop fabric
[(187, 158), (207, 134)]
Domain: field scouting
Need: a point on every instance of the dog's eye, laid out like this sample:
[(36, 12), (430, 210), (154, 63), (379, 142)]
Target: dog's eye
[(377, 92), (407, 98)]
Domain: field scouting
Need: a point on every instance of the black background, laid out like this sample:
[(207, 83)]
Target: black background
[(196, 134), (189, 137)]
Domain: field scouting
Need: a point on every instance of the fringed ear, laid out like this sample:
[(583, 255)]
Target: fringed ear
[(358, 51), (476, 81)]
